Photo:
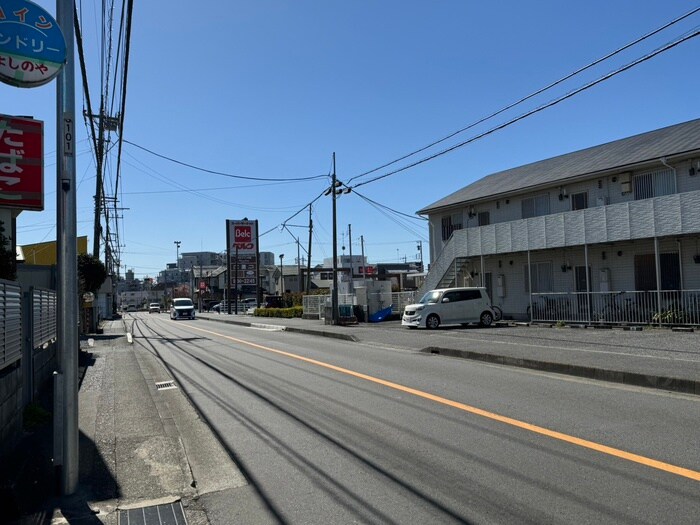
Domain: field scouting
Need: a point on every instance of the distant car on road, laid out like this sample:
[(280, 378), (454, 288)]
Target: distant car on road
[(182, 308), (154, 308)]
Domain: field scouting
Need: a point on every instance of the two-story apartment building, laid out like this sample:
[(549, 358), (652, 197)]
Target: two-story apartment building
[(609, 233)]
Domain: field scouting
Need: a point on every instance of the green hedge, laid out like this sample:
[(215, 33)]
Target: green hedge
[(295, 311)]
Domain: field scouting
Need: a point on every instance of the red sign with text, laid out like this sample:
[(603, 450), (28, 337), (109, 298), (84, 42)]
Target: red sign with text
[(243, 237), (21, 163)]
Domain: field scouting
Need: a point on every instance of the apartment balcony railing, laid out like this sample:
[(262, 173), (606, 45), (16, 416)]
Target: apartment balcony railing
[(668, 307), (676, 214)]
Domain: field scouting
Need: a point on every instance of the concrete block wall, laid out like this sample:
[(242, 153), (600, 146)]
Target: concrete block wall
[(44, 366), (10, 407)]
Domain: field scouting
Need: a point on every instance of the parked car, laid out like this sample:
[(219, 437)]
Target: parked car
[(450, 306), (154, 308), (182, 308), (273, 301)]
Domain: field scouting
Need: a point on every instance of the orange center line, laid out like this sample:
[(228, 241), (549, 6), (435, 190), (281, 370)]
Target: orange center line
[(604, 449)]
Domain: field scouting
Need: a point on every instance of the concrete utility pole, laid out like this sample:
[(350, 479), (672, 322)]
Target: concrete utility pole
[(364, 263), (352, 266), (281, 274), (66, 433), (334, 291), (308, 264), (298, 266)]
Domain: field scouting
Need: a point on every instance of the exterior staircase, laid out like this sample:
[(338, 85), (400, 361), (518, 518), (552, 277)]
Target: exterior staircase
[(453, 273)]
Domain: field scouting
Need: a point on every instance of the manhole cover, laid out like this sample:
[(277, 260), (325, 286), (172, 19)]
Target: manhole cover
[(165, 385), (167, 514)]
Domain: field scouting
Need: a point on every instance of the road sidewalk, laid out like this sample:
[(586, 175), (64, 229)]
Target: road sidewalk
[(141, 447), (653, 357)]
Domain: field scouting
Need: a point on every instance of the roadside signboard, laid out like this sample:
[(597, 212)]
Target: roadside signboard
[(242, 237), (32, 47), (21, 163)]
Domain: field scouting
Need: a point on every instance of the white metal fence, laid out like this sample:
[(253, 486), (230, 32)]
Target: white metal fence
[(315, 304), (667, 307)]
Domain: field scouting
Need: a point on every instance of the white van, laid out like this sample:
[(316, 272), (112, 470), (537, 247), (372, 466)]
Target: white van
[(450, 306)]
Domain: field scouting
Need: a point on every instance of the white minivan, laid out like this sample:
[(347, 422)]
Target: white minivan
[(450, 306)]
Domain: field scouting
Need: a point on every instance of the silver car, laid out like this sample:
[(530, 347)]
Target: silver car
[(182, 308), (450, 306)]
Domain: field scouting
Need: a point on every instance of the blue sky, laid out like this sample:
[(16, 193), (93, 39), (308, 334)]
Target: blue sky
[(270, 89)]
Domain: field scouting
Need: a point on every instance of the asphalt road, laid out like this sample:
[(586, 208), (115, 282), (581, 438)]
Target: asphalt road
[(328, 431)]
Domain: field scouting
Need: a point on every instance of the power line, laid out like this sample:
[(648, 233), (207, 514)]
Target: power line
[(414, 217), (680, 40), (214, 172), (531, 95)]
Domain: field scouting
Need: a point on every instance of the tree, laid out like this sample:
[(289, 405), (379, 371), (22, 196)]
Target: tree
[(91, 273), (8, 258)]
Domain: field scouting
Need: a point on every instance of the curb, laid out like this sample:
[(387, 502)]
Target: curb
[(322, 333), (684, 386), (291, 329)]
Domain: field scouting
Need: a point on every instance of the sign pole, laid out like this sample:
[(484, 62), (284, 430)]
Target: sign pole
[(235, 286), (228, 266), (67, 251)]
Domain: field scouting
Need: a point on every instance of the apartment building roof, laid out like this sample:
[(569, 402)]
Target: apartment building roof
[(625, 153)]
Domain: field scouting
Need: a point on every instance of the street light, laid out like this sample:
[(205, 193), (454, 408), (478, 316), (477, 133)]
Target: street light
[(177, 264), (281, 275), (177, 253)]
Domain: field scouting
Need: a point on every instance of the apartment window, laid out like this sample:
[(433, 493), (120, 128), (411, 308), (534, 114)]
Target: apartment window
[(541, 274), (484, 218), (535, 206), (579, 201), (654, 184), (645, 271), (451, 223)]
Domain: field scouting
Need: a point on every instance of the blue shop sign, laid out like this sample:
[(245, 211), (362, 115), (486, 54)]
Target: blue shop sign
[(32, 47)]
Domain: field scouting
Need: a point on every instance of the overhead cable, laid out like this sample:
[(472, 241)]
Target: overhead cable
[(214, 172), (531, 95), (680, 40)]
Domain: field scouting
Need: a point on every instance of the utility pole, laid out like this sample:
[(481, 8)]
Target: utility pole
[(66, 408), (281, 275), (334, 291), (298, 265), (308, 266), (420, 251), (364, 262), (352, 266), (99, 154)]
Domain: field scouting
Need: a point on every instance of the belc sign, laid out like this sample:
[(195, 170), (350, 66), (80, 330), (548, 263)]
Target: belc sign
[(32, 47), (21, 163), (244, 237)]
